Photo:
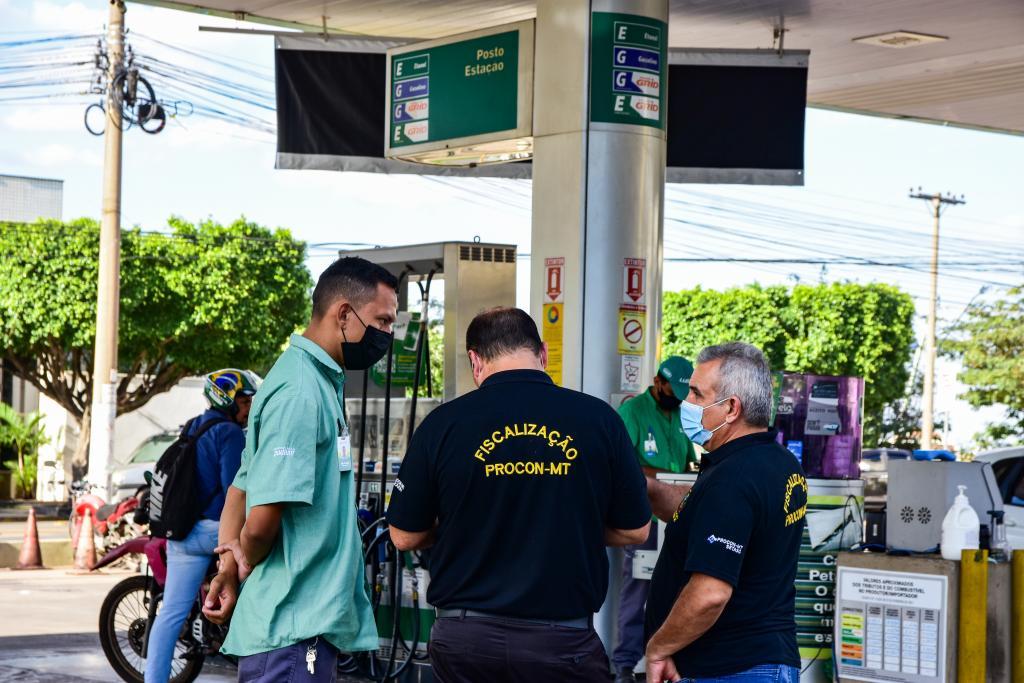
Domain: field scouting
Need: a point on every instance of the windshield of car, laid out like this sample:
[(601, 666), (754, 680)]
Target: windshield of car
[(152, 448)]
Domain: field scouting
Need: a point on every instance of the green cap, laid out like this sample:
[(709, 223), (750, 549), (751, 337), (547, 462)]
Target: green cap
[(677, 370)]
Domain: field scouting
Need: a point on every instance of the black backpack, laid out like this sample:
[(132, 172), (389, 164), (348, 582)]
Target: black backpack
[(174, 505)]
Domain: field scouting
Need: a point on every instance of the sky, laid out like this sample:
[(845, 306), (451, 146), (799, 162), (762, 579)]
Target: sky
[(854, 203)]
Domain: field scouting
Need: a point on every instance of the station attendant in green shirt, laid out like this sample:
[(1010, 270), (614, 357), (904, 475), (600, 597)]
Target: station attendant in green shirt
[(289, 525), (652, 420)]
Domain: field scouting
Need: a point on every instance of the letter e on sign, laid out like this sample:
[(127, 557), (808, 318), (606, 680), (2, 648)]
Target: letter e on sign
[(620, 103)]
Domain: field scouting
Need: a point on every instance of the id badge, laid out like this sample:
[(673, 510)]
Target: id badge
[(344, 451)]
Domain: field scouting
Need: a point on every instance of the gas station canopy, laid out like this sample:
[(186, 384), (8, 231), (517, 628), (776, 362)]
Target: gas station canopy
[(956, 63)]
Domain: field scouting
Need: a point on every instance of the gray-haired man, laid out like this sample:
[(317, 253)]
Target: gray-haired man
[(722, 594)]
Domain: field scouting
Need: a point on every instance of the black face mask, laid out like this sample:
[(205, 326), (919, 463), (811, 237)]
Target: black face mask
[(364, 353), (668, 402)]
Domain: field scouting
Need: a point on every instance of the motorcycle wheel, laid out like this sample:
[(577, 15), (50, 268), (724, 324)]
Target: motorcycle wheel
[(123, 630)]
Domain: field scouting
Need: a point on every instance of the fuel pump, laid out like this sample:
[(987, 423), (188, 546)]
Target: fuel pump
[(476, 276)]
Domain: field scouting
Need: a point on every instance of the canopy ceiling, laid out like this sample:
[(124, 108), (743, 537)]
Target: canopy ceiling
[(974, 78)]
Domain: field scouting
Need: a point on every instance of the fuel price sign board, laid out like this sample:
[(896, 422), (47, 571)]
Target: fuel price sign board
[(628, 69)]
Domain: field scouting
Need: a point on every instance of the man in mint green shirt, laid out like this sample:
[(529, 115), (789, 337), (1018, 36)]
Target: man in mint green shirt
[(652, 420), (289, 526)]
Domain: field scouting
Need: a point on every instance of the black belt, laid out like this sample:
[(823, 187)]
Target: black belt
[(582, 622)]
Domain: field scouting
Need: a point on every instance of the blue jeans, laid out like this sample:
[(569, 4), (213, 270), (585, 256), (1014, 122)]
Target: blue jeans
[(187, 563), (762, 673)]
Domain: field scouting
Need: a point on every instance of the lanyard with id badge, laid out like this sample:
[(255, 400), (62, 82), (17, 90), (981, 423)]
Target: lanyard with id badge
[(344, 448)]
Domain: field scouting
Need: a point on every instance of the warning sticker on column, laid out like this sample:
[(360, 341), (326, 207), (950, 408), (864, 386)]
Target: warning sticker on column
[(552, 333), (554, 270), (634, 281), (631, 331), (629, 378)]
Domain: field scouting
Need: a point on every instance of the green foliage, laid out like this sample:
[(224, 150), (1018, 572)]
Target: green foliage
[(845, 328), (997, 435), (24, 435), (832, 329), (990, 343), (201, 297), (25, 475)]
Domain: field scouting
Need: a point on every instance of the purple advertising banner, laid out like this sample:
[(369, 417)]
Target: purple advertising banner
[(819, 418)]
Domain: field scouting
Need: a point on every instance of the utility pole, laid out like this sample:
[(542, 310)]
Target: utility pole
[(937, 201), (104, 374)]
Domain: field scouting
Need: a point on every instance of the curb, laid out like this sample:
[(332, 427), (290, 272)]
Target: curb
[(56, 553)]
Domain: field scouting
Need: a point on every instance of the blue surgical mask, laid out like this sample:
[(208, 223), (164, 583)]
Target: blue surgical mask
[(692, 417)]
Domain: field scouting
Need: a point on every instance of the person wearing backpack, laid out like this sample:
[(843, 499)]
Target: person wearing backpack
[(186, 498)]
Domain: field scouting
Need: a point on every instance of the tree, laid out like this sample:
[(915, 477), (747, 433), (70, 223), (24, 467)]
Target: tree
[(989, 341), (24, 434), (695, 318), (839, 329), (846, 328), (195, 299)]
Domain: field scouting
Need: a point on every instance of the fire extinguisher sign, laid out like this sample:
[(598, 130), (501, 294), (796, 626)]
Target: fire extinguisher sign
[(554, 270), (634, 281)]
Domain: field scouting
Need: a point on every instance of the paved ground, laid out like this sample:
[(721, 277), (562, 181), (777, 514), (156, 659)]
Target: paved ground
[(48, 632)]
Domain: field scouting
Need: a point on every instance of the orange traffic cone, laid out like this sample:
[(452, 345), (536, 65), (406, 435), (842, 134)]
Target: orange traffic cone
[(30, 557), (85, 553)]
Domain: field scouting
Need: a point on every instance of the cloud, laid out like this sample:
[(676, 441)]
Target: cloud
[(55, 16), (59, 118), (56, 154)]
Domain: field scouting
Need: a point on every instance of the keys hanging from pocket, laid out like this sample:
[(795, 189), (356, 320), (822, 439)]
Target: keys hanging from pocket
[(311, 659)]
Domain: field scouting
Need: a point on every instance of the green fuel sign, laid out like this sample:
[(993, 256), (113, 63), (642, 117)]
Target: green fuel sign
[(628, 67), (460, 92)]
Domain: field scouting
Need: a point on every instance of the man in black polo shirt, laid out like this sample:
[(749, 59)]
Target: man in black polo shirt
[(722, 596), (518, 487)]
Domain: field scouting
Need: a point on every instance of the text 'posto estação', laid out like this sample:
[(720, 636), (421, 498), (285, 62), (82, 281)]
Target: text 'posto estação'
[(489, 67)]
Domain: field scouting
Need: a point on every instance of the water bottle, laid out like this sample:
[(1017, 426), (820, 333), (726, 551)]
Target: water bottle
[(960, 527)]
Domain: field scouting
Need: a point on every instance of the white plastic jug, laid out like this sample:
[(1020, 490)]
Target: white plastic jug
[(959, 527)]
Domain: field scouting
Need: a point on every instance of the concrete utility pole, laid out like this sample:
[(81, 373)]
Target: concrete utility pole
[(104, 376), (928, 402)]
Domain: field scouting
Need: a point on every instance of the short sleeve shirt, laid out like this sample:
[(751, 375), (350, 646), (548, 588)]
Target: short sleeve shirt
[(311, 584), (522, 478), (742, 523), (657, 435)]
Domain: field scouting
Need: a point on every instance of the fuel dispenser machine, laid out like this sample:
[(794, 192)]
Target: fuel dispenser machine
[(384, 406)]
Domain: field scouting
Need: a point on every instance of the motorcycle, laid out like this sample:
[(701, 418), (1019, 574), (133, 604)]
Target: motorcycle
[(131, 606), (112, 523)]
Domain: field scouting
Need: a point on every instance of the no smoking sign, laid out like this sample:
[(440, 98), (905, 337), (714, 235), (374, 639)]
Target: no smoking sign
[(631, 331)]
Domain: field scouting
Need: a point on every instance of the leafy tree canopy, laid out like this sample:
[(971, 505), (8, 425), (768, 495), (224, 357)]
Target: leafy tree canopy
[(989, 341), (194, 299), (842, 328)]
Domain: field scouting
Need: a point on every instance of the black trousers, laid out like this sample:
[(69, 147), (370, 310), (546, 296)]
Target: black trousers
[(486, 650)]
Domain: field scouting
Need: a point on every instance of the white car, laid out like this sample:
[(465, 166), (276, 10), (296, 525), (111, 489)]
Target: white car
[(1008, 466), (127, 477)]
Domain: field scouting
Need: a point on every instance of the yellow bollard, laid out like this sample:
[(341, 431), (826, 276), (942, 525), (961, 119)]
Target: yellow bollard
[(972, 645), (1017, 618)]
